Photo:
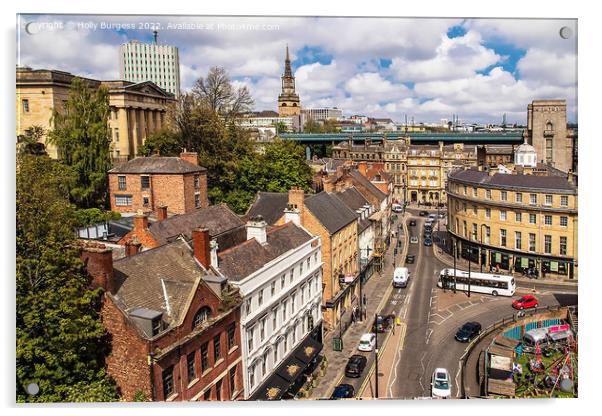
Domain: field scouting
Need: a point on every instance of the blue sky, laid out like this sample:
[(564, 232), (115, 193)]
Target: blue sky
[(424, 68)]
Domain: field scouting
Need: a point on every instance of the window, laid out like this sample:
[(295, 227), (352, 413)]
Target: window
[(168, 386), (547, 220), (276, 353), (464, 228), (487, 234), (274, 319), (503, 215), (465, 190), (473, 236), (116, 130), (533, 199), (197, 181), (262, 330), (190, 365), (503, 238), (197, 200), (519, 197), (564, 221), (233, 379), (531, 242), (488, 193), (563, 246), (248, 307), (504, 196), (518, 240), (293, 299), (302, 295), (145, 201), (518, 217), (123, 200), (532, 219), (218, 390), (217, 347), (487, 212), (282, 278), (549, 200), (273, 288), (250, 341), (474, 192), (564, 201), (201, 316), (204, 357), (284, 311), (474, 209), (144, 182), (252, 375), (121, 182), (547, 244), (260, 298), (25, 106), (308, 263), (301, 269), (291, 275), (231, 336)]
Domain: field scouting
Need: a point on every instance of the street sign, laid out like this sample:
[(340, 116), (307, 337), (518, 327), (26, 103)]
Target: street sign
[(337, 344)]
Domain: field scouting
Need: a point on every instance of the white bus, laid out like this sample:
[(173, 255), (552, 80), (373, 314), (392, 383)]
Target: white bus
[(491, 284)]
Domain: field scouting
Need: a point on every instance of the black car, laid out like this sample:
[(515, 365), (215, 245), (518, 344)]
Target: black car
[(383, 323), (412, 223), (343, 391), (428, 228), (410, 259), (423, 213), (468, 331), (355, 366), (428, 242)]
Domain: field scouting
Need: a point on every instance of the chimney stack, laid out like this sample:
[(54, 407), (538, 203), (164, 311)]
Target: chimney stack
[(362, 167), (132, 247), (190, 157), (328, 184), (296, 198), (98, 261), (201, 246), (140, 221), (161, 212), (257, 229)]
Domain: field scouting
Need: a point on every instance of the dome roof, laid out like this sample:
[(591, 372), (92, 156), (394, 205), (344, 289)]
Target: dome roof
[(525, 148)]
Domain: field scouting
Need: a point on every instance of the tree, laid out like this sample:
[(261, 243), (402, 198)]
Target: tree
[(280, 127), (285, 167), (162, 142), (30, 141), (61, 343), (81, 136), (218, 93)]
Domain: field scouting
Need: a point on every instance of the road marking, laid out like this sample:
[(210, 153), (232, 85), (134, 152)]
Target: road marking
[(429, 332), (458, 375), (402, 335)]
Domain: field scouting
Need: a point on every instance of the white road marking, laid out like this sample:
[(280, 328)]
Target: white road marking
[(458, 375), (429, 332)]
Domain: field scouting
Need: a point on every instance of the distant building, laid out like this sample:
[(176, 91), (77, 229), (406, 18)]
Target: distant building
[(324, 113), (147, 183), (154, 62), (137, 109), (288, 100)]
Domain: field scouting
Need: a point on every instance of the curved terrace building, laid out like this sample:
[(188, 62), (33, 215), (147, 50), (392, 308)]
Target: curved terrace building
[(513, 221)]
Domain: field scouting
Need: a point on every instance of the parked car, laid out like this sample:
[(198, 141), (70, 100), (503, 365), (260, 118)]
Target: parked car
[(468, 331), (383, 323), (428, 227), (432, 217), (440, 384), (343, 391), (441, 215), (410, 258), (414, 239), (396, 208), (423, 213), (525, 302), (427, 234), (355, 366), (367, 342), (428, 242), (412, 223)]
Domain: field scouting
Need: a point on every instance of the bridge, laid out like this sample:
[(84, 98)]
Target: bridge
[(416, 138)]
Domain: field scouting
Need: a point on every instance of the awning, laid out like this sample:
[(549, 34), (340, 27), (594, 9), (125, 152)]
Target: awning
[(273, 389), (308, 351), (291, 369)]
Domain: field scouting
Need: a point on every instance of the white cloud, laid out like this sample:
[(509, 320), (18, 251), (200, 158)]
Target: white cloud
[(548, 68)]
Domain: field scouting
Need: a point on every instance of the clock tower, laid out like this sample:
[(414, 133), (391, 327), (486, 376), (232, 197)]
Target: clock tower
[(288, 100)]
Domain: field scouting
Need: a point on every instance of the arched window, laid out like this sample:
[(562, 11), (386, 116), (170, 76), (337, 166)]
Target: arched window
[(283, 104), (294, 104), (201, 316), (549, 126)]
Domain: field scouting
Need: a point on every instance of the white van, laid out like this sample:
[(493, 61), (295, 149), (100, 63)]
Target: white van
[(396, 208), (401, 275)]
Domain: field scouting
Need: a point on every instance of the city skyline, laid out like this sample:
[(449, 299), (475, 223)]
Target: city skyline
[(478, 69)]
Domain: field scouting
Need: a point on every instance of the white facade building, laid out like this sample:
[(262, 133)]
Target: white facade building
[(280, 300), (322, 113), (160, 64)]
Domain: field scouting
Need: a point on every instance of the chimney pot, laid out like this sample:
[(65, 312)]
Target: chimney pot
[(140, 221), (191, 157), (132, 247)]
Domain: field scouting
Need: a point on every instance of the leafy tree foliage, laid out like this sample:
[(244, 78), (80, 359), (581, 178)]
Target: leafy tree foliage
[(324, 126), (81, 135), (162, 142), (83, 217), (30, 141), (61, 342)]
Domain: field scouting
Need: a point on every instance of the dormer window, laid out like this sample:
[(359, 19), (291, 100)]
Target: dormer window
[(201, 316)]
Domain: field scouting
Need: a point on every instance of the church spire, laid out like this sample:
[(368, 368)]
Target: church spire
[(287, 65)]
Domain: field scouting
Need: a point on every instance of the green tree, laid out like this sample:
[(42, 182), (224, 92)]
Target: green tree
[(162, 142), (30, 142), (61, 343), (280, 127), (81, 136), (285, 166)]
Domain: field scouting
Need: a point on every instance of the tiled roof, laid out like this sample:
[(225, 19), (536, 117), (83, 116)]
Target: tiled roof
[(140, 279), (158, 164), (217, 218), (370, 187), (244, 259), (352, 198), (270, 205), (528, 182), (330, 211)]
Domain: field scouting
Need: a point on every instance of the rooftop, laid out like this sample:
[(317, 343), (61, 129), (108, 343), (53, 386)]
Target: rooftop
[(270, 205), (331, 211), (158, 164), (527, 182)]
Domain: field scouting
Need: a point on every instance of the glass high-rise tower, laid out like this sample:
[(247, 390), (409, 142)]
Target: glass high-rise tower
[(154, 62)]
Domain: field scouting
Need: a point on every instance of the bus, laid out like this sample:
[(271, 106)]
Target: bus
[(491, 284)]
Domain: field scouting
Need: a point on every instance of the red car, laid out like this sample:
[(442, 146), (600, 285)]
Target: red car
[(525, 302)]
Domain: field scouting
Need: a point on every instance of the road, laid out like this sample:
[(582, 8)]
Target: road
[(429, 320)]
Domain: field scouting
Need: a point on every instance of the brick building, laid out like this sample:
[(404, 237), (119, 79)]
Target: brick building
[(147, 183), (173, 322), (226, 229)]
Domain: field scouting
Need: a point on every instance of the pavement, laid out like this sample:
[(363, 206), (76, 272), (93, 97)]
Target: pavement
[(377, 290)]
